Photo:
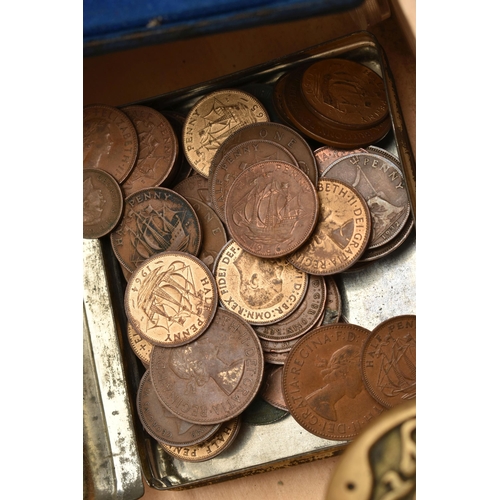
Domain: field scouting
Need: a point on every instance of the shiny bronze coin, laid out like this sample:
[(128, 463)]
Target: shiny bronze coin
[(140, 346), (171, 299), (261, 291), (333, 306), (302, 319), (213, 231), (158, 149), (237, 159), (290, 105), (381, 464), (271, 209), (209, 448), (214, 118), (341, 234), (346, 92), (272, 388), (214, 378), (278, 133), (381, 183), (109, 140), (195, 186), (389, 361), (164, 426), (102, 203), (326, 155), (323, 384), (276, 358), (155, 220)]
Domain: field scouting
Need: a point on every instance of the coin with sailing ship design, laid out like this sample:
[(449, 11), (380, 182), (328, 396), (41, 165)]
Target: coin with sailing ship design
[(323, 384), (381, 183), (162, 424), (109, 140), (140, 346), (271, 209), (389, 360), (261, 291), (237, 159), (171, 299), (158, 149), (155, 220), (341, 234), (212, 119), (215, 377)]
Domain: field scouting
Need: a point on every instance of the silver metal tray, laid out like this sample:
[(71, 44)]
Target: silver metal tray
[(383, 289)]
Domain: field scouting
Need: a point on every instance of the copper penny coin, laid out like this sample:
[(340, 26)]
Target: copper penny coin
[(326, 155), (341, 234), (195, 186), (237, 159), (323, 384), (212, 119), (277, 346), (162, 424), (109, 140), (155, 220), (272, 388), (213, 231), (276, 358), (389, 361), (271, 209), (209, 448), (302, 319), (333, 306), (213, 378), (171, 299), (102, 203), (278, 133), (381, 183), (345, 92), (290, 104), (261, 291), (158, 149), (140, 346)]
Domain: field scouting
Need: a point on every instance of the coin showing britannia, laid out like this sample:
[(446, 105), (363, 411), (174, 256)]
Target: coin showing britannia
[(155, 220), (102, 203), (171, 299), (215, 377), (261, 291), (214, 118), (158, 149), (162, 425), (109, 140), (341, 234), (323, 384), (326, 155), (271, 209), (389, 361)]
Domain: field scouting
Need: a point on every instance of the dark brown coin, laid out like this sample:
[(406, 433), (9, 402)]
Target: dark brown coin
[(302, 319), (214, 378), (290, 105), (342, 233), (164, 426), (102, 203), (326, 155), (272, 388), (333, 306), (140, 346), (278, 133), (109, 140), (158, 149), (260, 412), (271, 209), (213, 231), (345, 92), (389, 361), (195, 186), (276, 358), (381, 183), (171, 299), (237, 159), (209, 448), (323, 384), (155, 220)]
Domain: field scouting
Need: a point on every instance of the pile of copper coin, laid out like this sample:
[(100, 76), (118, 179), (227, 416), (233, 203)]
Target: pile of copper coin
[(229, 228)]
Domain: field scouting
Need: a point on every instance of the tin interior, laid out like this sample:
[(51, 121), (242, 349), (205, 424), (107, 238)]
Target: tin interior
[(381, 290)]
